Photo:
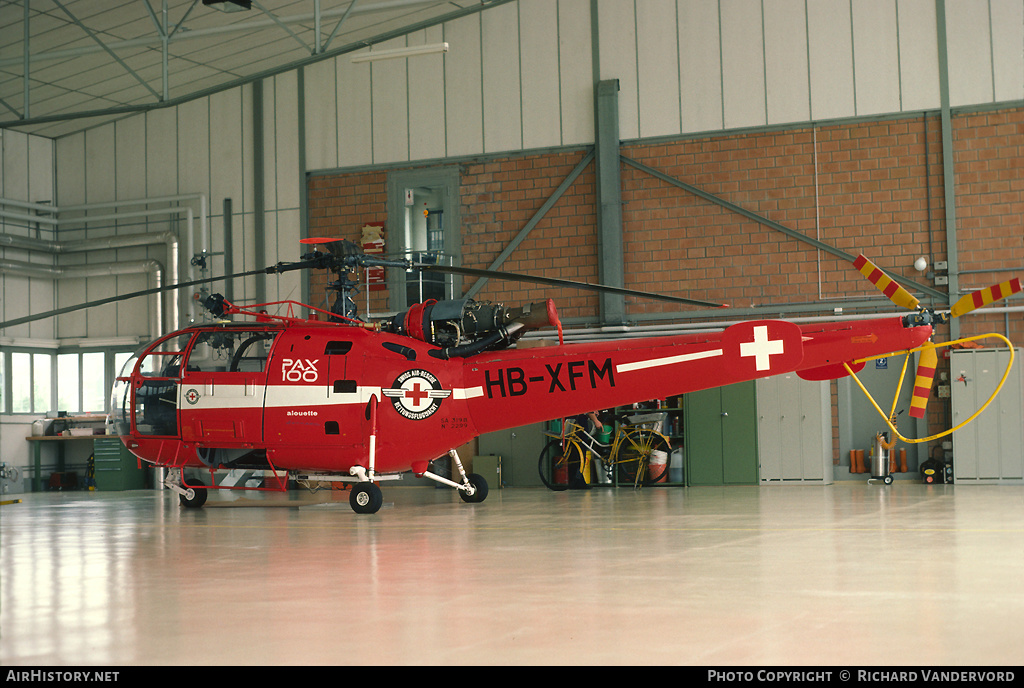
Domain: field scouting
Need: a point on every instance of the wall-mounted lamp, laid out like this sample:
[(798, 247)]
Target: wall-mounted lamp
[(921, 264), (411, 51)]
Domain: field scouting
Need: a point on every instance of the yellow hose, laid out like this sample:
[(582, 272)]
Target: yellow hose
[(977, 413)]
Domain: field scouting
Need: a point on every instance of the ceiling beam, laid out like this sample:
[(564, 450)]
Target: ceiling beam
[(104, 46)]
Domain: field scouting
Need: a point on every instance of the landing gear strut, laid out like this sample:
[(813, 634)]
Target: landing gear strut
[(473, 487), (366, 497)]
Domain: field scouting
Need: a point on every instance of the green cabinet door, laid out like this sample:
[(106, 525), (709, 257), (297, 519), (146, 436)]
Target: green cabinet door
[(721, 435), (116, 467)]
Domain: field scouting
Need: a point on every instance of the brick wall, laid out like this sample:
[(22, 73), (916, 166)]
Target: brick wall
[(860, 188), (500, 197), (990, 209), (339, 206)]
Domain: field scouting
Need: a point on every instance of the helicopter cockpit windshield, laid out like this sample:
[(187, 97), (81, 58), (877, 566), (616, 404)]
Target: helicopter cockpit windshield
[(156, 397)]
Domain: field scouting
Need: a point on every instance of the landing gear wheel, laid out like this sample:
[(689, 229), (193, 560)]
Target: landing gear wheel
[(366, 498), (199, 494), (480, 487)]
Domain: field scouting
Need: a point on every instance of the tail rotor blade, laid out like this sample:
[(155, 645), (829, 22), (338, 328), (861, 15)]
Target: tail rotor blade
[(983, 297), (923, 382), (894, 292)]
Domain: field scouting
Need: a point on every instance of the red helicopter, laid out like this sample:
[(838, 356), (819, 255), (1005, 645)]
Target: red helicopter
[(340, 399)]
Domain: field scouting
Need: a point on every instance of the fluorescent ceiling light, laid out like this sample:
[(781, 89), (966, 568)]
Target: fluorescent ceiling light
[(411, 51)]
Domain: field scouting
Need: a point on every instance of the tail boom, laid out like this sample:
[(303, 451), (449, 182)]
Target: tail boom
[(521, 386)]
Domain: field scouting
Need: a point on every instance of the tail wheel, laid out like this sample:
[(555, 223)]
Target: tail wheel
[(559, 463), (479, 489), (634, 458)]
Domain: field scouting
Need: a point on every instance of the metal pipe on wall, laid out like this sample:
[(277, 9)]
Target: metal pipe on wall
[(168, 238), (56, 218), (24, 269)]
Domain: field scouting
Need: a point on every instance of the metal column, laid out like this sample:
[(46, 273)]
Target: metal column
[(609, 199), (952, 257)]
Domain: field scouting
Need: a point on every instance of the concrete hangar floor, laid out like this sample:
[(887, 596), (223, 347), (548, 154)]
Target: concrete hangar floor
[(845, 574)]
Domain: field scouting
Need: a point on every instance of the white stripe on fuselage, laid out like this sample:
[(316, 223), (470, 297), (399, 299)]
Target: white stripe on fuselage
[(667, 360), (281, 396)]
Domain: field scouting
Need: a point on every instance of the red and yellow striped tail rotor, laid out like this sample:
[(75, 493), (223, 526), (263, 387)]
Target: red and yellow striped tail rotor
[(983, 297), (923, 383), (895, 293)]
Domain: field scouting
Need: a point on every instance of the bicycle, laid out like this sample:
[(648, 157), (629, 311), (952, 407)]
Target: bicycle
[(565, 461)]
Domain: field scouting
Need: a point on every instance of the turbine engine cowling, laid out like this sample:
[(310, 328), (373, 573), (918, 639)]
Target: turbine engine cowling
[(454, 323)]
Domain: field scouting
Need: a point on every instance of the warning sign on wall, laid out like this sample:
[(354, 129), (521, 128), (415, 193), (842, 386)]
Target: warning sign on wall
[(372, 241)]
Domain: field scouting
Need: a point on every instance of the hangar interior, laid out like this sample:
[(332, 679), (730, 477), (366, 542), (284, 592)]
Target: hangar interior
[(733, 152)]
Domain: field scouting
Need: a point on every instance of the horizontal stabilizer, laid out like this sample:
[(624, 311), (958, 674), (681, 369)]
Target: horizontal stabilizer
[(829, 372)]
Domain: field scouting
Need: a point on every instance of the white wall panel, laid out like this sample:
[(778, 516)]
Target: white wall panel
[(463, 87), (40, 170), (502, 86), (830, 50), (876, 56), (426, 98), (132, 314), (390, 99), (355, 123), (70, 169), (286, 173), (130, 158), (575, 60), (282, 244), (657, 68), (700, 67), (26, 174), (968, 28), (41, 299), (194, 147), (785, 55), (1008, 48), (230, 135), (539, 26), (743, 87), (321, 115), (161, 152), (919, 68), (15, 164), (100, 166), (71, 292), (15, 303), (617, 45)]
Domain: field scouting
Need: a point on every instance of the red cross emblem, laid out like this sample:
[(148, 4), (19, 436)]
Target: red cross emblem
[(416, 394)]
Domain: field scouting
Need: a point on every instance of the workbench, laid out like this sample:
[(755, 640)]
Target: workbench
[(116, 468)]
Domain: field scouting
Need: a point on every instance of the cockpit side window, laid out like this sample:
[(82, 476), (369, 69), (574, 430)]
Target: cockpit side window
[(231, 351)]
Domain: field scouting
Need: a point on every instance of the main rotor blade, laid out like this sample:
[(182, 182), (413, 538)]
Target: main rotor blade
[(124, 297), (377, 261), (558, 282)]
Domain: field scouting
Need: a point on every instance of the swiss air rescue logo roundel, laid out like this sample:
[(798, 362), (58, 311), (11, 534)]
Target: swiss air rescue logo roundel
[(416, 394)]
